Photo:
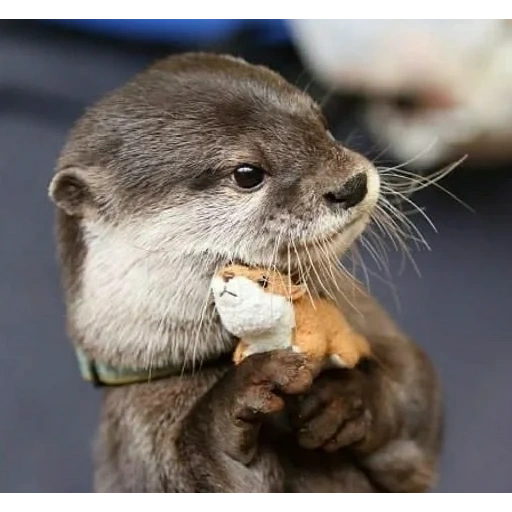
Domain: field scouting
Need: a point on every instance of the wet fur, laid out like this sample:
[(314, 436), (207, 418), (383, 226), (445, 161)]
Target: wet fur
[(146, 215)]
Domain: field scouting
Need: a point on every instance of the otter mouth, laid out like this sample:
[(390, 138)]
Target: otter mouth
[(334, 235), (324, 240), (287, 261), (314, 243)]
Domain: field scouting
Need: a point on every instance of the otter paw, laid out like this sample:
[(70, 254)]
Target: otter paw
[(263, 379), (333, 413)]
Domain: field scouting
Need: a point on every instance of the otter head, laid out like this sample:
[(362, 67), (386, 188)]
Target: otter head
[(196, 162)]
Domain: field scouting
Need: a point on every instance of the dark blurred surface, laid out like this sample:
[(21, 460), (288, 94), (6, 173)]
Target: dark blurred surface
[(458, 310)]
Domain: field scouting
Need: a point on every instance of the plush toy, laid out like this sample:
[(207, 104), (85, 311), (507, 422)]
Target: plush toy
[(267, 312)]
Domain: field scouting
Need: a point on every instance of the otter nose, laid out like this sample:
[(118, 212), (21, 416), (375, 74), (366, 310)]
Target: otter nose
[(227, 276), (351, 193)]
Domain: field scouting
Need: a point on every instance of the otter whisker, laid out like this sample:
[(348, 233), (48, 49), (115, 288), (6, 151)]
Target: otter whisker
[(352, 278), (407, 182), (426, 180), (394, 232), (391, 220), (320, 282), (401, 234), (358, 261), (289, 269), (355, 257), (412, 182), (419, 210), (327, 97), (381, 153), (207, 332), (388, 227), (308, 85), (391, 215), (355, 250), (199, 328), (378, 253), (350, 137), (272, 261), (372, 252), (335, 265), (326, 263), (418, 155), (382, 249), (386, 218), (388, 282), (302, 275), (275, 251), (297, 81)]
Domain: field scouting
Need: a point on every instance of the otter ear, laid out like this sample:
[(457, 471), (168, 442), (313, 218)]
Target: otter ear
[(70, 191), (297, 291)]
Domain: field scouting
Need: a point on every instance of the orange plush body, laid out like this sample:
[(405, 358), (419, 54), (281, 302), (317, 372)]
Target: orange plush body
[(267, 312)]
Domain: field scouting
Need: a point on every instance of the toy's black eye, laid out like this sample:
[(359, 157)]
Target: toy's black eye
[(263, 281), (249, 177)]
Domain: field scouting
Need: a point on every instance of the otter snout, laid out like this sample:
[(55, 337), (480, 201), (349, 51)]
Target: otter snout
[(350, 194)]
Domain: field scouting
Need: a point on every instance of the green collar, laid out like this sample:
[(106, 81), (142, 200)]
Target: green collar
[(100, 374)]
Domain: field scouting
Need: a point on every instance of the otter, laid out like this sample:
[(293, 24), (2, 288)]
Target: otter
[(198, 161)]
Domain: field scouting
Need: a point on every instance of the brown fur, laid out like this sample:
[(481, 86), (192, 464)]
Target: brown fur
[(145, 198)]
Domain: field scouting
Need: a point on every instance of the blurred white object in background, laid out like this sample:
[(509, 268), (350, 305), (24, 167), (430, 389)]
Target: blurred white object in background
[(459, 73)]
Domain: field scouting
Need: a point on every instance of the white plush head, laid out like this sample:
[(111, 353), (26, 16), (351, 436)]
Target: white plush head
[(251, 302)]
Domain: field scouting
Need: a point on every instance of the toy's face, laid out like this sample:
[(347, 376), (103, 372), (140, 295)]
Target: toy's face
[(270, 281), (251, 301)]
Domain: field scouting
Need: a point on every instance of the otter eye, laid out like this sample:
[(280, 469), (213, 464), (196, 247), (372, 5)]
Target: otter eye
[(263, 281), (248, 177)]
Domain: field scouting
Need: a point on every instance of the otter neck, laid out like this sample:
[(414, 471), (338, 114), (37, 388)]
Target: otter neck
[(143, 309)]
